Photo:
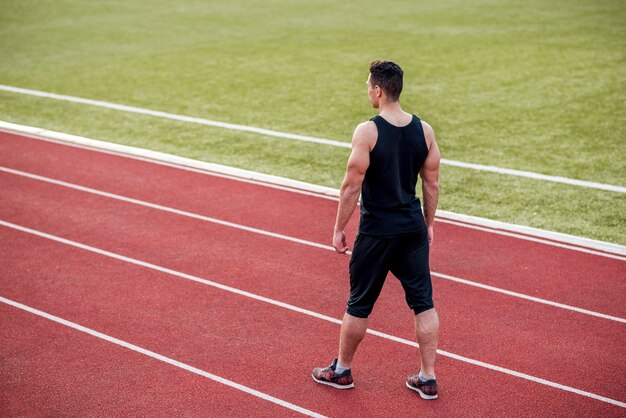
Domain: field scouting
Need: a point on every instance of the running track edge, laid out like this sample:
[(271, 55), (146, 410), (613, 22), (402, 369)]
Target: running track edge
[(518, 231)]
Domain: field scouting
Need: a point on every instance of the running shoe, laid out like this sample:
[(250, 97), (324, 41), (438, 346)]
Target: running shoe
[(427, 389), (327, 376)]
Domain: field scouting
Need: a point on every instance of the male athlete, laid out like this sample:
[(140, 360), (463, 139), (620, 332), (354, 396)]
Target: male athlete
[(388, 153)]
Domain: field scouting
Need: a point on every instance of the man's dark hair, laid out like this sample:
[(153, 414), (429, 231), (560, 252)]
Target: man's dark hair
[(388, 76)]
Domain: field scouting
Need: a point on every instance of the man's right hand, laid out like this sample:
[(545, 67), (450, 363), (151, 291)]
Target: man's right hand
[(339, 242), (431, 235)]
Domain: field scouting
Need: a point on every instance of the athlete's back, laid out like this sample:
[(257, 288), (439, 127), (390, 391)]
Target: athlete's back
[(389, 205)]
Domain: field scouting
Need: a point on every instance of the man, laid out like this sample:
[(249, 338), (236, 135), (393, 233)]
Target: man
[(388, 153)]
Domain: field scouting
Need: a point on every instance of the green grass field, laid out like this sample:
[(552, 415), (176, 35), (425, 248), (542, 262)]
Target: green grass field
[(531, 85)]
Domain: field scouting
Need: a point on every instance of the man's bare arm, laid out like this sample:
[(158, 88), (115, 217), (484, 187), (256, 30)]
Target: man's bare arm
[(430, 180), (362, 143)]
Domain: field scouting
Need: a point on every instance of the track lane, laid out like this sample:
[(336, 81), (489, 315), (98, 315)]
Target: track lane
[(565, 276), (562, 345), (253, 342), (51, 370)]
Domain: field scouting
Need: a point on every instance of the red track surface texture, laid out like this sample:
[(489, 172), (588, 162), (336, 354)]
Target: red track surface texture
[(50, 369)]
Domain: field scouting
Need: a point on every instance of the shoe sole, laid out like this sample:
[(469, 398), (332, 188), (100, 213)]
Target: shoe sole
[(335, 385), (422, 394)]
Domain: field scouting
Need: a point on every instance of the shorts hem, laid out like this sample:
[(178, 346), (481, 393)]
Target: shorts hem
[(422, 309), (357, 314)]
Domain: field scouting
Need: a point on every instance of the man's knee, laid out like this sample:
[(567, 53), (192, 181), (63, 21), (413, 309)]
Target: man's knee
[(427, 322)]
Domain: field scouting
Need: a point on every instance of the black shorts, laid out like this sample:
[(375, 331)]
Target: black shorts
[(374, 257)]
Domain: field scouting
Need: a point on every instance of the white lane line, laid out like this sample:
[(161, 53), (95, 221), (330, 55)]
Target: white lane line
[(525, 232), (305, 312), (173, 116), (296, 240), (533, 239), (285, 135), (294, 186), (173, 161), (160, 357), (536, 176), (163, 208), (529, 298)]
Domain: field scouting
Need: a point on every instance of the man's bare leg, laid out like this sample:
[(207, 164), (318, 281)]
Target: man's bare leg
[(352, 332), (427, 333)]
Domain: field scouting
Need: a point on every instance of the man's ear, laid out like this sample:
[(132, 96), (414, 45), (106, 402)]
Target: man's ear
[(378, 91)]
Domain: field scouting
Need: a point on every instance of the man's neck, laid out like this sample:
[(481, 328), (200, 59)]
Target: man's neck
[(390, 108), (392, 112)]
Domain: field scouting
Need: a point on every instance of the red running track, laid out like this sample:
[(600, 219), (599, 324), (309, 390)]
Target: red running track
[(224, 338), (549, 272), (51, 370)]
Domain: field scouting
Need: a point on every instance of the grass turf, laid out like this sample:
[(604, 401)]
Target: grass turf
[(536, 85)]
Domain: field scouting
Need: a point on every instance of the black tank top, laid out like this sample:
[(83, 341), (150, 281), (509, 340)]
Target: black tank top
[(389, 206)]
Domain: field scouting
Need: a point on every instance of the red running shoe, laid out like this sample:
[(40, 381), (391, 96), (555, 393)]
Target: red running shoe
[(327, 376), (427, 389)]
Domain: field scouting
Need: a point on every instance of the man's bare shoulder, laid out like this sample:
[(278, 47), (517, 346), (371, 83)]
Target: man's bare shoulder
[(365, 133), (429, 133), (428, 130), (367, 128)]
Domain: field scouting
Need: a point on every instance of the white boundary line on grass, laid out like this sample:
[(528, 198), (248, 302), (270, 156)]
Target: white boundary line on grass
[(155, 157), (307, 312), (160, 357), (296, 240), (286, 135)]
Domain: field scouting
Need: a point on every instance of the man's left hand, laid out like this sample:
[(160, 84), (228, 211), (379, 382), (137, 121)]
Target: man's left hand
[(339, 242), (431, 235)]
